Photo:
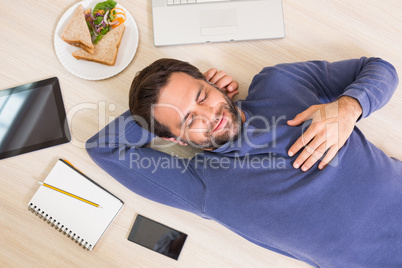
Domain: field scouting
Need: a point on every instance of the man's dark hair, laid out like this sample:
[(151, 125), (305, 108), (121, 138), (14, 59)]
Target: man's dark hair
[(145, 89)]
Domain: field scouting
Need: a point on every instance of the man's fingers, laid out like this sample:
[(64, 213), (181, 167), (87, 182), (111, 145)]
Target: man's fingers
[(314, 157), (224, 82), (210, 73), (302, 141), (328, 157), (233, 86), (232, 94), (310, 150), (217, 76), (298, 119), (303, 116)]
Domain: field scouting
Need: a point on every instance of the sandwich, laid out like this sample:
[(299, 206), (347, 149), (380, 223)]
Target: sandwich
[(105, 51), (76, 32)]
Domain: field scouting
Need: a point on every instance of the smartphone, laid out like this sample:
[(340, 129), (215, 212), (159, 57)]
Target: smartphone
[(157, 237)]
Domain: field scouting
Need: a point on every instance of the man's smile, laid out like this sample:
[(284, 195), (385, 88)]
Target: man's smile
[(221, 123)]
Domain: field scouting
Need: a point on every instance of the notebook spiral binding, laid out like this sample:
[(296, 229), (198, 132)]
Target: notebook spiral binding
[(58, 226)]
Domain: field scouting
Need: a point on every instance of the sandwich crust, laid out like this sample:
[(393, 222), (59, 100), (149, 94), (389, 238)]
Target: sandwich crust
[(105, 51), (76, 32)]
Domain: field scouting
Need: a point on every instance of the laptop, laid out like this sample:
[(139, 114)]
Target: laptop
[(178, 22)]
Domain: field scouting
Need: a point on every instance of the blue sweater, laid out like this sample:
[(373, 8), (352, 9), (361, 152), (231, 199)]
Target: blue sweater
[(346, 215)]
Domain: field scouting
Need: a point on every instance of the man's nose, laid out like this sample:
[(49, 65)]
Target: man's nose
[(206, 113)]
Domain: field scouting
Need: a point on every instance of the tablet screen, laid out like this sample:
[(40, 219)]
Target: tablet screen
[(32, 117)]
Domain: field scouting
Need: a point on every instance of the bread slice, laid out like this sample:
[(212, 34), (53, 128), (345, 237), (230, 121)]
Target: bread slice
[(105, 51), (76, 32)]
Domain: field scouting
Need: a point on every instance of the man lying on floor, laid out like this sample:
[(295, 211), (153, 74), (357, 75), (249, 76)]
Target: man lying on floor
[(286, 168)]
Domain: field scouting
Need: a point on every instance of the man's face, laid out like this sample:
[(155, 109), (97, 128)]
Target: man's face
[(197, 112)]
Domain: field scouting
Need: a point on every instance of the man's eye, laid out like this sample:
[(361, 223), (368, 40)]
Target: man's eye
[(205, 97), (190, 122)]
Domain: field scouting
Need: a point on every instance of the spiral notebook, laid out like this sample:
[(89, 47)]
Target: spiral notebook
[(83, 222)]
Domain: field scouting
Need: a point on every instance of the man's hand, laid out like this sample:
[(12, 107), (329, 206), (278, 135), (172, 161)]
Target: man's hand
[(331, 126), (223, 81)]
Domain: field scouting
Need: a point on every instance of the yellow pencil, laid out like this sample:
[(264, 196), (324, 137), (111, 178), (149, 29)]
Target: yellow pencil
[(69, 194)]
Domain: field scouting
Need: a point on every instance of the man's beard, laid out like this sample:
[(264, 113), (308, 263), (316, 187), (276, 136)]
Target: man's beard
[(215, 141)]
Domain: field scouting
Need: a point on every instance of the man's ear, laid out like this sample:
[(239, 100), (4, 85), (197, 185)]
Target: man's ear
[(175, 140)]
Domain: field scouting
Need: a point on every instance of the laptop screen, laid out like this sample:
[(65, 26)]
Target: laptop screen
[(32, 117)]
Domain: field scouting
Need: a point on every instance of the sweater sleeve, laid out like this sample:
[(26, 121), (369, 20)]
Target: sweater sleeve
[(118, 149), (371, 81)]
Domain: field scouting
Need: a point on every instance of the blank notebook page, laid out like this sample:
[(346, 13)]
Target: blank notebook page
[(84, 222)]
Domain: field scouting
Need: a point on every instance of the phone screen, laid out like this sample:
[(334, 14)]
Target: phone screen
[(157, 237)]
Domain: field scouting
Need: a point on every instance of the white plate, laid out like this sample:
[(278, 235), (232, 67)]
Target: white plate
[(92, 70)]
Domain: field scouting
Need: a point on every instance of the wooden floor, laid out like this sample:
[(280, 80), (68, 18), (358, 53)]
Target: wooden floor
[(315, 30)]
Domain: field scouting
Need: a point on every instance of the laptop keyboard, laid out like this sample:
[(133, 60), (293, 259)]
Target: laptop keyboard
[(179, 2)]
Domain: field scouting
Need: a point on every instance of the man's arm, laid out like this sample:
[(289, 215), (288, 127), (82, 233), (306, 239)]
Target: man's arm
[(119, 150), (359, 88)]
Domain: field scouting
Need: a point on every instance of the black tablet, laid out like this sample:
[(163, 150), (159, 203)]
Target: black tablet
[(32, 117)]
